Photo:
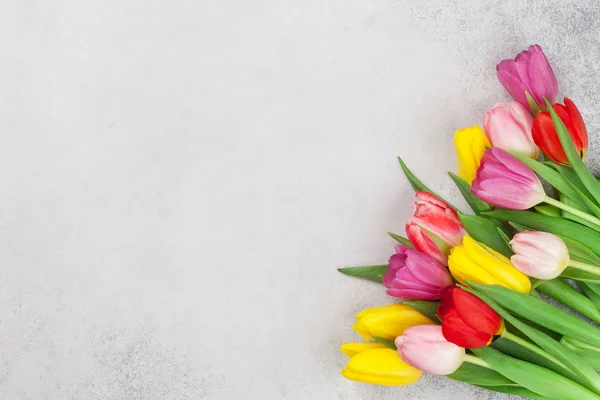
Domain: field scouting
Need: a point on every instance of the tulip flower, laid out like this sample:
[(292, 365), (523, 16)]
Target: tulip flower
[(425, 348), (545, 136), (388, 322), (352, 349), (470, 143), (380, 366), (529, 78), (540, 255), (504, 181), (466, 320), (434, 227), (476, 262), (508, 126), (415, 276)]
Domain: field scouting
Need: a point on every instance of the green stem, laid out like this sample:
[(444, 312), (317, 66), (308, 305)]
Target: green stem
[(476, 360), (584, 267), (572, 210), (530, 346)]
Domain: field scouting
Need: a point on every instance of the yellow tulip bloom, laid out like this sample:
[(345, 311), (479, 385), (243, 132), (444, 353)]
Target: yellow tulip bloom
[(380, 367), (478, 263), (388, 322), (470, 143), (352, 349)]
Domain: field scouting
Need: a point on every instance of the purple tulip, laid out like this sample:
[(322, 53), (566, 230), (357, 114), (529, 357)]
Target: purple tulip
[(415, 276), (506, 182), (530, 72)]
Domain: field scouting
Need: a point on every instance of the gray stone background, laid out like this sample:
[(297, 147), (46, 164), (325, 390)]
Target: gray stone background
[(180, 180)]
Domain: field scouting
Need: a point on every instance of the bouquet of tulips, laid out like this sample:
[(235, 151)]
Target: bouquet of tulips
[(484, 294)]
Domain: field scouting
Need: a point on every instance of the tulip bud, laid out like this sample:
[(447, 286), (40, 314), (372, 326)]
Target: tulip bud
[(425, 348), (352, 349), (545, 136), (415, 276), (506, 182), (466, 320), (388, 322), (470, 143), (508, 126), (540, 255), (380, 366), (478, 263), (530, 74), (434, 227)]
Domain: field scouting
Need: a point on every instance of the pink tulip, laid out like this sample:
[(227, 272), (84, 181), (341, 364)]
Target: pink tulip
[(540, 255), (530, 72), (506, 182), (425, 348), (434, 227), (508, 126), (415, 276)]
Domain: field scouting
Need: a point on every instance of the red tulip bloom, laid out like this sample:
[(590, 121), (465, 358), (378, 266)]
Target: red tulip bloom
[(546, 138), (466, 320)]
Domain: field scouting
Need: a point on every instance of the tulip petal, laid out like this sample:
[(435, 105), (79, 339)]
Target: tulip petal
[(380, 367), (456, 331), (475, 313), (352, 349)]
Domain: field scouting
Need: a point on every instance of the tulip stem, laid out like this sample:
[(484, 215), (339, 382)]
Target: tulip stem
[(584, 267), (476, 360), (572, 210), (530, 346)]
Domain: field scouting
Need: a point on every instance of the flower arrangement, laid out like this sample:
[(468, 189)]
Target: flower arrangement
[(474, 288)]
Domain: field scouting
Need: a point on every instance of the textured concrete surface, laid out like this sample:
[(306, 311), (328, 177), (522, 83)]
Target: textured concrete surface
[(180, 179)]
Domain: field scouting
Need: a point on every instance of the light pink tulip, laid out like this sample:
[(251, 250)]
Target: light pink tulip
[(540, 255), (529, 72), (425, 348), (508, 126), (415, 276), (506, 182)]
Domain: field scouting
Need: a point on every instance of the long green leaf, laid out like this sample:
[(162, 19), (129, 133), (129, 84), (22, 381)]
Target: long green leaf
[(371, 272), (476, 204), (564, 293), (590, 354), (580, 276), (481, 376), (386, 342), (401, 240), (417, 184), (515, 390), (427, 308), (592, 294), (533, 377), (485, 230), (565, 214)]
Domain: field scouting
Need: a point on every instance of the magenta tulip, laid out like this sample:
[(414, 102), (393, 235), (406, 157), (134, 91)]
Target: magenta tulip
[(530, 72), (540, 255), (506, 182), (415, 276), (508, 126), (425, 348)]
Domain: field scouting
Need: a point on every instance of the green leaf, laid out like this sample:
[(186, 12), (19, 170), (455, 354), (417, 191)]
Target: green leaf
[(565, 214), (476, 204), (579, 275), (481, 376), (589, 353), (385, 342), (540, 312), (417, 184), (401, 240), (570, 176), (584, 174), (564, 228), (515, 390), (371, 272), (504, 236), (592, 291), (579, 252), (485, 230), (547, 209), (565, 294), (533, 377), (427, 308)]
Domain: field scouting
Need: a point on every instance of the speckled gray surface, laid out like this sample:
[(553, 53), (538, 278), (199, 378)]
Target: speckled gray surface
[(180, 179)]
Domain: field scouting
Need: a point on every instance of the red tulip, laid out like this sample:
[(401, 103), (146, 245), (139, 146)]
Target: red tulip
[(466, 320), (434, 227), (544, 134)]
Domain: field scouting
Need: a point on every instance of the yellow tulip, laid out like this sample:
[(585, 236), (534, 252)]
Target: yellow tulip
[(380, 367), (478, 263), (388, 322), (470, 143), (352, 349)]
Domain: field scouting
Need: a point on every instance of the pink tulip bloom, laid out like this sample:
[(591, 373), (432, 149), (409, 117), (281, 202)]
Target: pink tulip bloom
[(425, 348), (540, 255), (434, 227), (508, 126), (530, 72), (506, 182), (415, 276)]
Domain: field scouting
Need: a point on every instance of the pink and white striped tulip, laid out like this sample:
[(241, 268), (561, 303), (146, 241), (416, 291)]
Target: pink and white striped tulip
[(540, 255), (508, 126), (506, 182), (415, 276), (425, 348)]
